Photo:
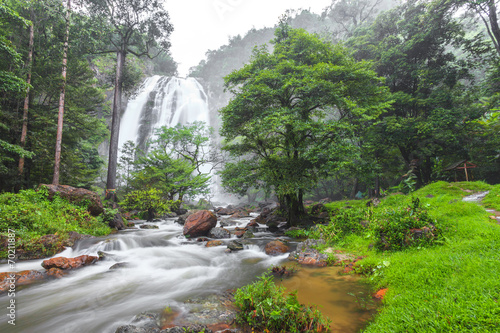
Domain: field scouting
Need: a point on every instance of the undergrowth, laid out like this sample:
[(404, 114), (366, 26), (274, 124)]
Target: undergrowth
[(267, 307), (449, 284), (31, 215)]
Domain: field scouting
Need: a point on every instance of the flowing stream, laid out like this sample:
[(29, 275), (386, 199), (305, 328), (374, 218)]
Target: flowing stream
[(163, 269)]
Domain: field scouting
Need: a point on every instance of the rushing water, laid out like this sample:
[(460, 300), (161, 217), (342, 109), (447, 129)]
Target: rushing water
[(163, 269)]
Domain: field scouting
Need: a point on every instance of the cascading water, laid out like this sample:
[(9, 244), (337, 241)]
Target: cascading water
[(162, 101)]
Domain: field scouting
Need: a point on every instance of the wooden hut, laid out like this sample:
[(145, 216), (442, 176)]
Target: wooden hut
[(462, 165)]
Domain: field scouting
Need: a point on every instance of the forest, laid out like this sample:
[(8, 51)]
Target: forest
[(434, 62)]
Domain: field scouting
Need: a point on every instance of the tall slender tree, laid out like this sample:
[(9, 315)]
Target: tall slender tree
[(60, 116), (29, 63), (138, 27)]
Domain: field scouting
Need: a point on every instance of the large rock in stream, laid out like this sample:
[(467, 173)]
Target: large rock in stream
[(199, 224), (69, 263)]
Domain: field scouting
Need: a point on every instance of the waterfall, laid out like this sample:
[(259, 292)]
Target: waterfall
[(162, 101)]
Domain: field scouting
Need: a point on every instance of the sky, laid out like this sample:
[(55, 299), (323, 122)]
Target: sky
[(202, 25)]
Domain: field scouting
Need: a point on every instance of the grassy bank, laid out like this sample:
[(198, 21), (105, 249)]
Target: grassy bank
[(30, 215), (447, 282)]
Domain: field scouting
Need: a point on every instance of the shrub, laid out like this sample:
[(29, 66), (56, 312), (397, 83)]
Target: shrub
[(267, 307), (404, 226)]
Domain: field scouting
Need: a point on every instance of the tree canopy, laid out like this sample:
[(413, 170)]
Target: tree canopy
[(294, 111)]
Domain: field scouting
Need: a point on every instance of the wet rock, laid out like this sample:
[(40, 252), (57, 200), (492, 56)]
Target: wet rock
[(78, 196), (275, 248), (248, 234), (183, 217), (135, 329), (219, 233), (199, 224), (305, 254), (148, 226), (69, 263), (240, 213), (227, 222), (202, 239), (117, 222), (74, 237), (239, 232), (214, 243), (56, 273), (235, 245), (12, 280), (380, 294), (119, 265)]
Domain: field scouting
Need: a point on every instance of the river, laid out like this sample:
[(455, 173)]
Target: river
[(162, 269)]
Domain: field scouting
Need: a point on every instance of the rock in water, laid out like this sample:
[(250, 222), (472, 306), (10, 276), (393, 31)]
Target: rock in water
[(199, 224), (276, 247), (77, 195), (69, 263)]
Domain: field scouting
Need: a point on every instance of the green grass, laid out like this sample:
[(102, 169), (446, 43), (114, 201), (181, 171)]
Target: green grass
[(492, 199), (31, 215), (452, 285)]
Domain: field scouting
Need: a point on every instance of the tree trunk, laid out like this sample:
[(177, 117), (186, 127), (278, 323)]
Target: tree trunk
[(57, 160), (294, 206), (354, 190), (29, 66), (115, 128)]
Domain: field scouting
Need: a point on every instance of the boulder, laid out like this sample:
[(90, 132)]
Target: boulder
[(306, 254), (117, 222), (199, 224), (183, 217), (214, 243), (77, 196), (149, 226), (69, 263), (11, 280), (235, 245), (275, 248), (219, 233)]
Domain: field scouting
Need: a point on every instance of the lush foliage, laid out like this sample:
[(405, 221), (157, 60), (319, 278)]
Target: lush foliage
[(31, 215), (178, 163), (294, 111), (151, 200), (267, 307), (450, 286)]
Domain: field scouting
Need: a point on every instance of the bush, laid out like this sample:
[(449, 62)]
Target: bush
[(404, 226), (267, 307)]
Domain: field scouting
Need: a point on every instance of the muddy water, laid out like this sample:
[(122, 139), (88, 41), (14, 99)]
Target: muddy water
[(342, 298), (162, 269)]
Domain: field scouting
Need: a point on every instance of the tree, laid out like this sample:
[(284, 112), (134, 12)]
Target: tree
[(60, 116), (350, 14), (432, 89), (138, 27), (10, 82), (180, 162), (151, 200), (294, 109)]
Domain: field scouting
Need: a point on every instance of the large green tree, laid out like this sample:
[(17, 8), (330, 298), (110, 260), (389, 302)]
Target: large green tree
[(294, 111), (414, 47)]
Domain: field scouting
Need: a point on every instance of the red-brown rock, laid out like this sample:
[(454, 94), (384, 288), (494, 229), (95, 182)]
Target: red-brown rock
[(213, 243), (16, 279), (77, 195), (56, 273), (380, 294), (69, 263), (199, 224), (276, 248)]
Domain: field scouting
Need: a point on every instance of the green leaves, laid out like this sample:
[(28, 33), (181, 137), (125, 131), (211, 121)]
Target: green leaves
[(292, 108)]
